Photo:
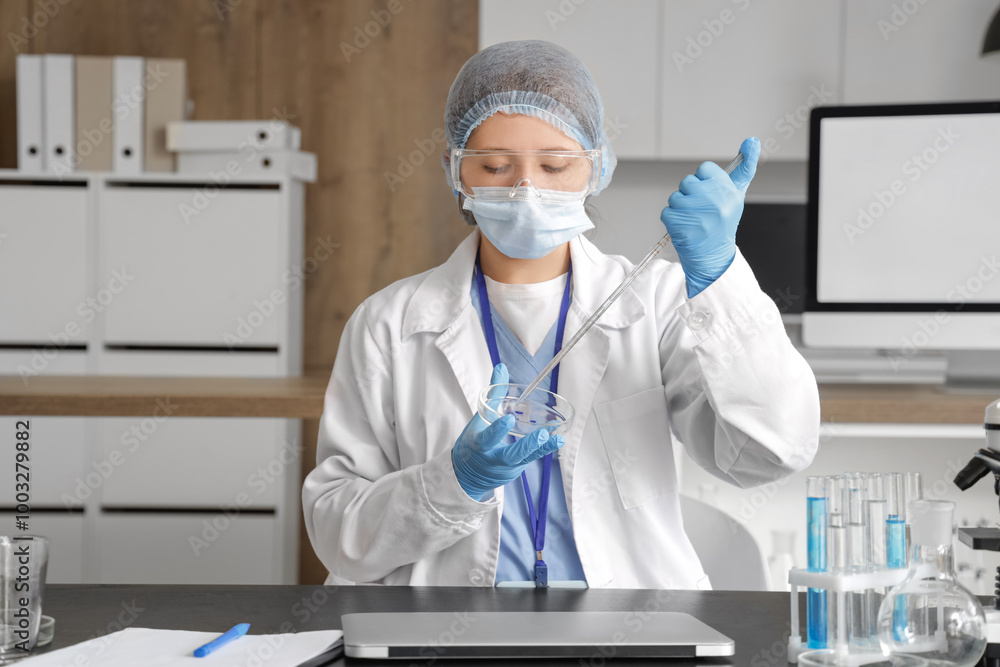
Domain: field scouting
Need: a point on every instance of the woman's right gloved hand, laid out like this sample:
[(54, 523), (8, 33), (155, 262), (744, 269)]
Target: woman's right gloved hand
[(483, 463)]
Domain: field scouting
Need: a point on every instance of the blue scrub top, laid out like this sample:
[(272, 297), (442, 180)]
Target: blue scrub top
[(517, 551)]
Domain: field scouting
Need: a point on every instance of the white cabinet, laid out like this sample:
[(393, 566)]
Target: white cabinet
[(735, 68), (165, 275), (618, 43), (59, 446), (208, 278), (195, 548), (690, 79), (58, 453), (918, 52), (44, 242), (65, 532), (165, 461)]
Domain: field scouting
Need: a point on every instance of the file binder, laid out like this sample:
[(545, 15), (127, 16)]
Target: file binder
[(165, 103), (128, 107), (232, 135), (94, 121), (60, 127), (30, 114)]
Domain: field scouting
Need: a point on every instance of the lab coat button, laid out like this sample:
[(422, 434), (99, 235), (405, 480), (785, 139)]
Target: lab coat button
[(698, 320)]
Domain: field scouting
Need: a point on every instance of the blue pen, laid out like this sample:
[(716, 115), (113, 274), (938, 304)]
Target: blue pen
[(236, 632)]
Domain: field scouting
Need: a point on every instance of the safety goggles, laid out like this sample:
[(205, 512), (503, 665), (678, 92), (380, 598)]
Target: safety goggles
[(535, 175)]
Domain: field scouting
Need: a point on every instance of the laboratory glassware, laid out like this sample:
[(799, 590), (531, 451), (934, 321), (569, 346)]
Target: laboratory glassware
[(943, 622)]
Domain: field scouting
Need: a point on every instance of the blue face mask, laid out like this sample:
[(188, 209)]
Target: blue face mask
[(532, 223)]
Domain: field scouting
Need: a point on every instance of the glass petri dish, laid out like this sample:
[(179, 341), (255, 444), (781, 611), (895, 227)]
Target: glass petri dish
[(542, 409), (46, 630), (827, 657)]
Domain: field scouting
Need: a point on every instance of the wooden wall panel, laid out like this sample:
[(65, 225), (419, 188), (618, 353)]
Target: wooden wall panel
[(360, 112), (15, 19), (361, 107), (220, 49)]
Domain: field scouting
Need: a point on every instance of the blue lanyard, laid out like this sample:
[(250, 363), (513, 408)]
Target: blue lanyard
[(537, 523)]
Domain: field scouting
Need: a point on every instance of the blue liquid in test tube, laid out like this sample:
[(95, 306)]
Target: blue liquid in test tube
[(816, 543), (895, 556)]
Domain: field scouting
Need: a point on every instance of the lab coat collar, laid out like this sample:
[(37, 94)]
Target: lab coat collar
[(444, 295)]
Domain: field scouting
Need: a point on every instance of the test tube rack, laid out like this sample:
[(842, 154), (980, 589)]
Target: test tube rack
[(840, 585)]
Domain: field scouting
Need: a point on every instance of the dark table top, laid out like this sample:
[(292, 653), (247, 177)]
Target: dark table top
[(758, 622)]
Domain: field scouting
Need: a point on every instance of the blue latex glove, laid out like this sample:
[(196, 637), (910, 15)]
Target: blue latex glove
[(703, 214), (483, 463)]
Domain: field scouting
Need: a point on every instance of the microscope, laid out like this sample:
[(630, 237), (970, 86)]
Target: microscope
[(986, 539)]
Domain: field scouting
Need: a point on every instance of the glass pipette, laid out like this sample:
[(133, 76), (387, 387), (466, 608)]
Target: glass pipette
[(629, 279)]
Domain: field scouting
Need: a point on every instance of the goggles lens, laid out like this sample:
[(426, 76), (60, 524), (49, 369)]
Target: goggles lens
[(561, 171)]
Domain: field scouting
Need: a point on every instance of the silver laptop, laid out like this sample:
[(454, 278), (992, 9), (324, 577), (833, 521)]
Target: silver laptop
[(531, 634)]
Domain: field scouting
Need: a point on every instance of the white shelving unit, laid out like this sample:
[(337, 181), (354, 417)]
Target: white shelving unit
[(157, 275), (689, 79)]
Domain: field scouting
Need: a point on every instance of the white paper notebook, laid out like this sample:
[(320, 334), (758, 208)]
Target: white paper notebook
[(146, 646)]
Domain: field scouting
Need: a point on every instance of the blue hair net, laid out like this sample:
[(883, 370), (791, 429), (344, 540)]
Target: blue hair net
[(533, 78)]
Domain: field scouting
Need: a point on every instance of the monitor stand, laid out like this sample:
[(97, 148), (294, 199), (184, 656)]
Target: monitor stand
[(972, 372)]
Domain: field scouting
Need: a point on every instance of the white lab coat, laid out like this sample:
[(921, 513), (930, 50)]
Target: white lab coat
[(716, 373)]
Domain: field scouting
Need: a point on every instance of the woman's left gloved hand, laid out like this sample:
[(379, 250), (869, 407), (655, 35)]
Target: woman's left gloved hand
[(702, 216)]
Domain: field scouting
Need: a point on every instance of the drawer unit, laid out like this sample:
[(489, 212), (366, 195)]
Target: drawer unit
[(193, 462), (43, 263), (195, 548), (201, 271)]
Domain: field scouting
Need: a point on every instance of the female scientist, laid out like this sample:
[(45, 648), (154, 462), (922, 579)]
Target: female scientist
[(412, 487)]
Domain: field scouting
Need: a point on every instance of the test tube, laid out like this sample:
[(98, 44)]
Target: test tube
[(913, 490), (895, 522), (859, 625), (876, 543), (836, 560), (816, 523)]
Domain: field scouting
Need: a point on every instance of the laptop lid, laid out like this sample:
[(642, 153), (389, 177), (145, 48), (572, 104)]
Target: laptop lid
[(531, 634)]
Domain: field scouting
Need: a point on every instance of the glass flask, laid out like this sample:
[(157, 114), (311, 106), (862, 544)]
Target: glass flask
[(929, 614)]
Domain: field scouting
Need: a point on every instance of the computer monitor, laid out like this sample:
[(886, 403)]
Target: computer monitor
[(903, 229)]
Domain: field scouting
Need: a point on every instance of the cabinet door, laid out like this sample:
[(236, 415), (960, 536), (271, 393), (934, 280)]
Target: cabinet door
[(193, 270), (736, 68), (197, 548), (918, 52), (57, 455), (44, 247), (58, 445), (65, 533), (194, 462), (616, 41)]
